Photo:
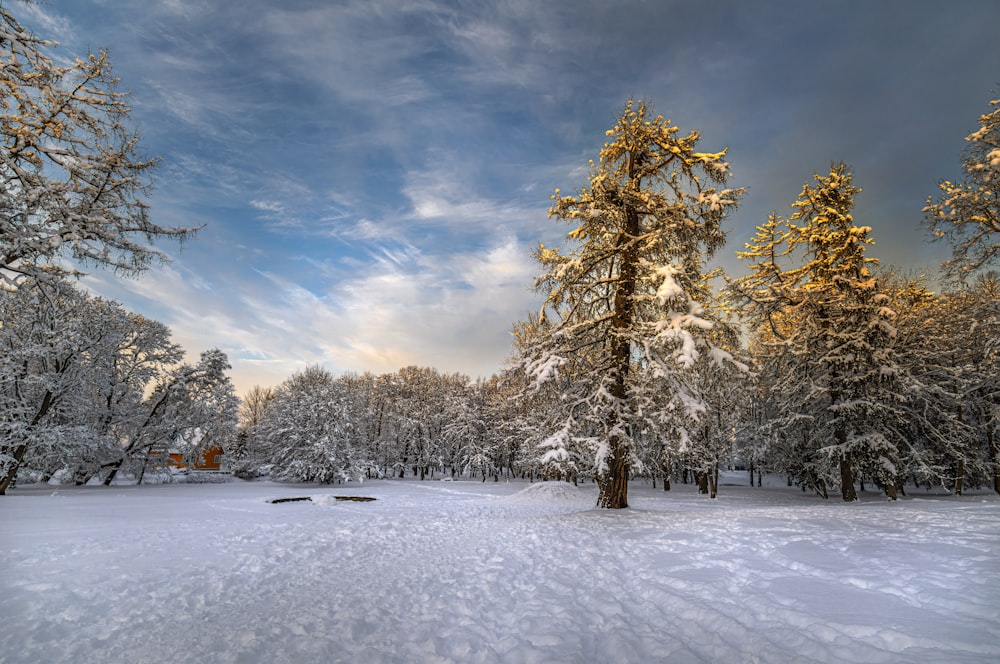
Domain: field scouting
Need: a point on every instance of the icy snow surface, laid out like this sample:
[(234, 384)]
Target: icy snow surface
[(493, 572)]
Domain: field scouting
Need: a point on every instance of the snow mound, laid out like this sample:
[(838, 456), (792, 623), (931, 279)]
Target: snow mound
[(549, 492)]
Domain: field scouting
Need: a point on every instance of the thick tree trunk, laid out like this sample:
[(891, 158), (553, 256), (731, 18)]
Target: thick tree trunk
[(847, 490), (614, 483), (702, 478)]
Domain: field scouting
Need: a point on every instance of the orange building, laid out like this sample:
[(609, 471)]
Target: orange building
[(210, 459)]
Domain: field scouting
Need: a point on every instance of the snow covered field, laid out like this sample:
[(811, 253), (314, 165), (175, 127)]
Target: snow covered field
[(470, 572)]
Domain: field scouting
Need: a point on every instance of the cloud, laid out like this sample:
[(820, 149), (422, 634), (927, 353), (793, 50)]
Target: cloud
[(267, 206), (398, 309)]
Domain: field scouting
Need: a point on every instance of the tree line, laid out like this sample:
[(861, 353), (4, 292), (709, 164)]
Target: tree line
[(88, 389), (817, 363)]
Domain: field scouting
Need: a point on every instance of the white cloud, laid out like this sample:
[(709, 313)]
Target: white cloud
[(34, 15), (268, 206), (452, 312)]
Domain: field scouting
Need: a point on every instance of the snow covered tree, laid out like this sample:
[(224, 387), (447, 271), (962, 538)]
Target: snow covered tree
[(469, 446), (421, 412), (134, 352), (825, 331), (978, 345), (967, 213), (987, 363), (305, 432), (244, 456), (948, 348), (624, 300), (43, 344), (720, 381), (74, 375), (190, 407), (72, 178), (480, 436)]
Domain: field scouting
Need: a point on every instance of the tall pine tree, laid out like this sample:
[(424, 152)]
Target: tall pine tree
[(825, 337), (623, 302)]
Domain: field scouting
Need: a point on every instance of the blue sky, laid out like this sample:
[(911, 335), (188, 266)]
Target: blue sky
[(373, 175)]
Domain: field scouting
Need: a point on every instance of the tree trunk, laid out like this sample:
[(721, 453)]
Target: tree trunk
[(994, 448), (960, 466), (847, 479), (614, 487), (8, 479), (817, 485), (142, 471), (115, 467), (48, 400), (702, 478), (613, 484)]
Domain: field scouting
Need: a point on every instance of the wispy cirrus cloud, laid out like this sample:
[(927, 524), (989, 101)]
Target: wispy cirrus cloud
[(400, 308)]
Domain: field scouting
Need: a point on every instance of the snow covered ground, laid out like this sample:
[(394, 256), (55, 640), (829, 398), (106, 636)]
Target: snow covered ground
[(470, 572)]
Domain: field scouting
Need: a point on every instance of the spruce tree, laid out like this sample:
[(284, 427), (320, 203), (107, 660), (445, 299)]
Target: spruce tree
[(825, 333), (967, 213)]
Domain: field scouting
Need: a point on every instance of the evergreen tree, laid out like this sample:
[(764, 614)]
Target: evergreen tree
[(624, 300), (967, 213), (949, 351), (827, 337)]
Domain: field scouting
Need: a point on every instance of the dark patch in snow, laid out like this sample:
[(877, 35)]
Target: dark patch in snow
[(357, 499)]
